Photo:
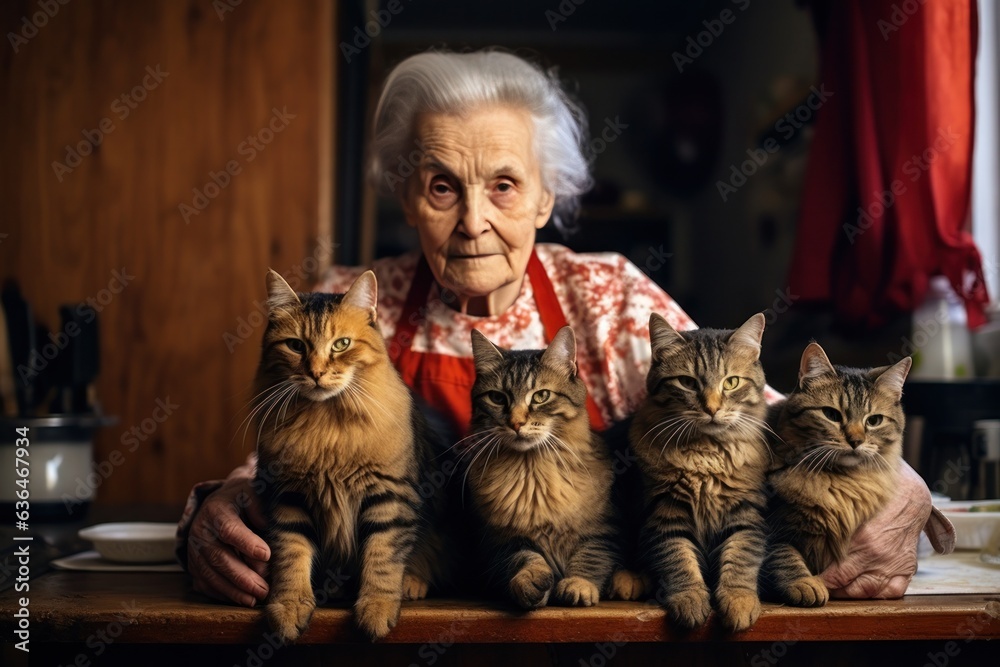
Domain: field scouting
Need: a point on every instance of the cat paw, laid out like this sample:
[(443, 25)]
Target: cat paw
[(531, 586), (739, 611), (577, 592), (289, 616), (376, 616), (807, 592), (414, 588), (627, 585), (689, 608)]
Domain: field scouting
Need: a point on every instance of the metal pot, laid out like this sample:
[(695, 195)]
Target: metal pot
[(59, 463)]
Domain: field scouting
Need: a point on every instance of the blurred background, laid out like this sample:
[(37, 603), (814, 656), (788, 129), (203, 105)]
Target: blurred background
[(160, 156)]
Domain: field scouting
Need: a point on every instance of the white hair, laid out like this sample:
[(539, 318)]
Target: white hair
[(445, 82)]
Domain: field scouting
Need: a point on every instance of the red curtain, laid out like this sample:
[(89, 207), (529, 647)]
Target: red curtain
[(887, 191)]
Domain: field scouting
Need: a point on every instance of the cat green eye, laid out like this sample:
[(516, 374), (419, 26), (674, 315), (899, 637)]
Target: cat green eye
[(832, 414), (540, 396), (295, 345), (874, 420), (731, 382), (688, 382), (341, 344), (497, 398)]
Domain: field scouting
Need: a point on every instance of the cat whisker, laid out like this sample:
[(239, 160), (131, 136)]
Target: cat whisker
[(670, 427), (761, 423), (676, 434), (878, 462), (252, 401), (813, 452), (486, 437), (273, 403), (759, 428), (271, 392), (566, 448), (283, 410), (822, 462), (492, 448), (665, 423), (481, 436), (547, 444), (362, 399), (468, 469)]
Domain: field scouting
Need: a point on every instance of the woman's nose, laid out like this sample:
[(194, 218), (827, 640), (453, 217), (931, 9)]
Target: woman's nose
[(474, 221)]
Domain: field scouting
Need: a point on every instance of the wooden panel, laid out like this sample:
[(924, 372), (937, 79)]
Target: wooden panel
[(191, 282), (71, 606)]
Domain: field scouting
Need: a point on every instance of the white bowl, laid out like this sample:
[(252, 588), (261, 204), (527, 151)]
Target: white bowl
[(972, 529), (133, 542)]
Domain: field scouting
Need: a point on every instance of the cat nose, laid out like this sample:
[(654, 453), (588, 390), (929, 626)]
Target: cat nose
[(713, 401), (516, 424), (855, 435)]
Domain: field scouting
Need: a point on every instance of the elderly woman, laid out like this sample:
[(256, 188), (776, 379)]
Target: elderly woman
[(483, 149)]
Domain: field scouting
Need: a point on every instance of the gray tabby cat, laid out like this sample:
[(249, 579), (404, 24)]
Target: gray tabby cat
[(539, 478), (700, 444), (841, 434)]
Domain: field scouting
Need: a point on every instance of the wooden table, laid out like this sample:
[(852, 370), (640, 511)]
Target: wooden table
[(151, 619), (89, 618)]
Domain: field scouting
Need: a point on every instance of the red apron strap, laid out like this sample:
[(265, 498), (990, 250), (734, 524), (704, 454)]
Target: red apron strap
[(549, 310), (416, 299), (553, 319)]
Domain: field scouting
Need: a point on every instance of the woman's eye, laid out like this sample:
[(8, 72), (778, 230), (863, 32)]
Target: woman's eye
[(832, 414), (731, 382), (497, 398), (540, 396), (874, 420), (688, 382), (441, 187), (295, 345), (341, 344), (505, 187)]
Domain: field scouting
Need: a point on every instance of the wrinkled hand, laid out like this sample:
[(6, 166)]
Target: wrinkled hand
[(883, 554), (227, 560)]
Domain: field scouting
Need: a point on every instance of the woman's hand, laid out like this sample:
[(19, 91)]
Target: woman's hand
[(227, 560), (883, 554)]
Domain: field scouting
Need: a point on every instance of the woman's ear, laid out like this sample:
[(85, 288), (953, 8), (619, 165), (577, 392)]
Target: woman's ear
[(548, 201)]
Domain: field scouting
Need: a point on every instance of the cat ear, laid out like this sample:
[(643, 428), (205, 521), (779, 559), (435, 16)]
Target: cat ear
[(561, 352), (892, 377), (363, 294), (279, 294), (662, 336), (484, 353), (750, 333), (814, 364)]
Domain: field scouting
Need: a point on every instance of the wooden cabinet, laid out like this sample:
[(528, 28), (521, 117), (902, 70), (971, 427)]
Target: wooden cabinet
[(187, 146)]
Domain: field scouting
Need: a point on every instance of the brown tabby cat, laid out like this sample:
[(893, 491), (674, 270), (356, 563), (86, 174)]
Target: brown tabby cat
[(700, 445), (539, 478), (840, 447), (341, 469)]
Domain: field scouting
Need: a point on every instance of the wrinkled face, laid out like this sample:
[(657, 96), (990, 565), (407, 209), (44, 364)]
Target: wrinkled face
[(843, 418), (321, 347), (525, 399), (707, 383), (476, 197)]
